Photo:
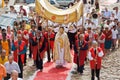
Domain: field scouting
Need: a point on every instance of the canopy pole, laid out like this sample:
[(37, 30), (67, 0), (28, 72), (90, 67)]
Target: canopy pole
[(83, 17), (48, 37)]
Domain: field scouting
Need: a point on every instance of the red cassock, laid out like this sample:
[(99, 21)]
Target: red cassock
[(96, 36), (101, 41), (25, 37), (86, 37), (51, 37), (83, 52), (102, 38), (76, 36), (42, 47), (34, 48), (30, 38), (21, 48), (95, 59)]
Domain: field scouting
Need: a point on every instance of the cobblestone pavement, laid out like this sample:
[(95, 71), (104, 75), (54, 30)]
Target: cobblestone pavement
[(110, 68)]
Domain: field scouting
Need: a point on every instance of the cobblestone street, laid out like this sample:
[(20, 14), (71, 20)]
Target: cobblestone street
[(110, 68)]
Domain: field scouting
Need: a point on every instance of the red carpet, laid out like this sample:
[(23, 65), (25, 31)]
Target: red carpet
[(52, 73)]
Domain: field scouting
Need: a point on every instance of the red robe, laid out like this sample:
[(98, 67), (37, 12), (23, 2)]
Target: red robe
[(42, 47), (95, 58), (76, 36), (96, 36), (90, 37), (101, 38), (86, 37), (34, 48), (25, 37), (50, 40), (83, 52), (15, 54), (30, 38)]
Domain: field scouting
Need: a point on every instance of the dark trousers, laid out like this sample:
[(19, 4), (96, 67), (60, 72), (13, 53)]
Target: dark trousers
[(7, 77), (48, 54), (30, 51), (71, 43), (97, 72), (20, 66), (39, 62), (80, 68), (25, 58)]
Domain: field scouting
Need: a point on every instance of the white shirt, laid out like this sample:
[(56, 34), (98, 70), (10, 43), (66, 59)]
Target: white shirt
[(88, 25), (10, 67), (114, 34), (111, 25), (117, 15), (66, 29), (56, 29), (95, 21), (107, 14), (17, 79)]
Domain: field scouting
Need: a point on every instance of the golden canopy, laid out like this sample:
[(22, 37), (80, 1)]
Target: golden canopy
[(49, 12)]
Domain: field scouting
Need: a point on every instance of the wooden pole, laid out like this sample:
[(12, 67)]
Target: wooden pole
[(83, 17)]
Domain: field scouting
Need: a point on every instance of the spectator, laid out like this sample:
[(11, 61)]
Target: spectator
[(0, 33), (25, 25), (5, 44), (108, 39), (97, 6), (14, 76), (12, 10), (117, 13), (3, 57), (10, 66), (31, 13), (114, 36), (23, 11), (9, 33), (2, 71), (118, 34), (106, 14)]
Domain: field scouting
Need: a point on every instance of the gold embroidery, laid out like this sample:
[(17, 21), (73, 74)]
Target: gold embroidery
[(60, 40)]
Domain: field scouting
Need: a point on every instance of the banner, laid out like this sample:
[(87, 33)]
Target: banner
[(49, 12), (3, 3)]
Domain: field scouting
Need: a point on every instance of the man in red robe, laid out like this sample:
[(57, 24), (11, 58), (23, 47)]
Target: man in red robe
[(19, 48), (82, 47), (95, 55), (31, 35), (49, 36), (41, 50), (25, 38)]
